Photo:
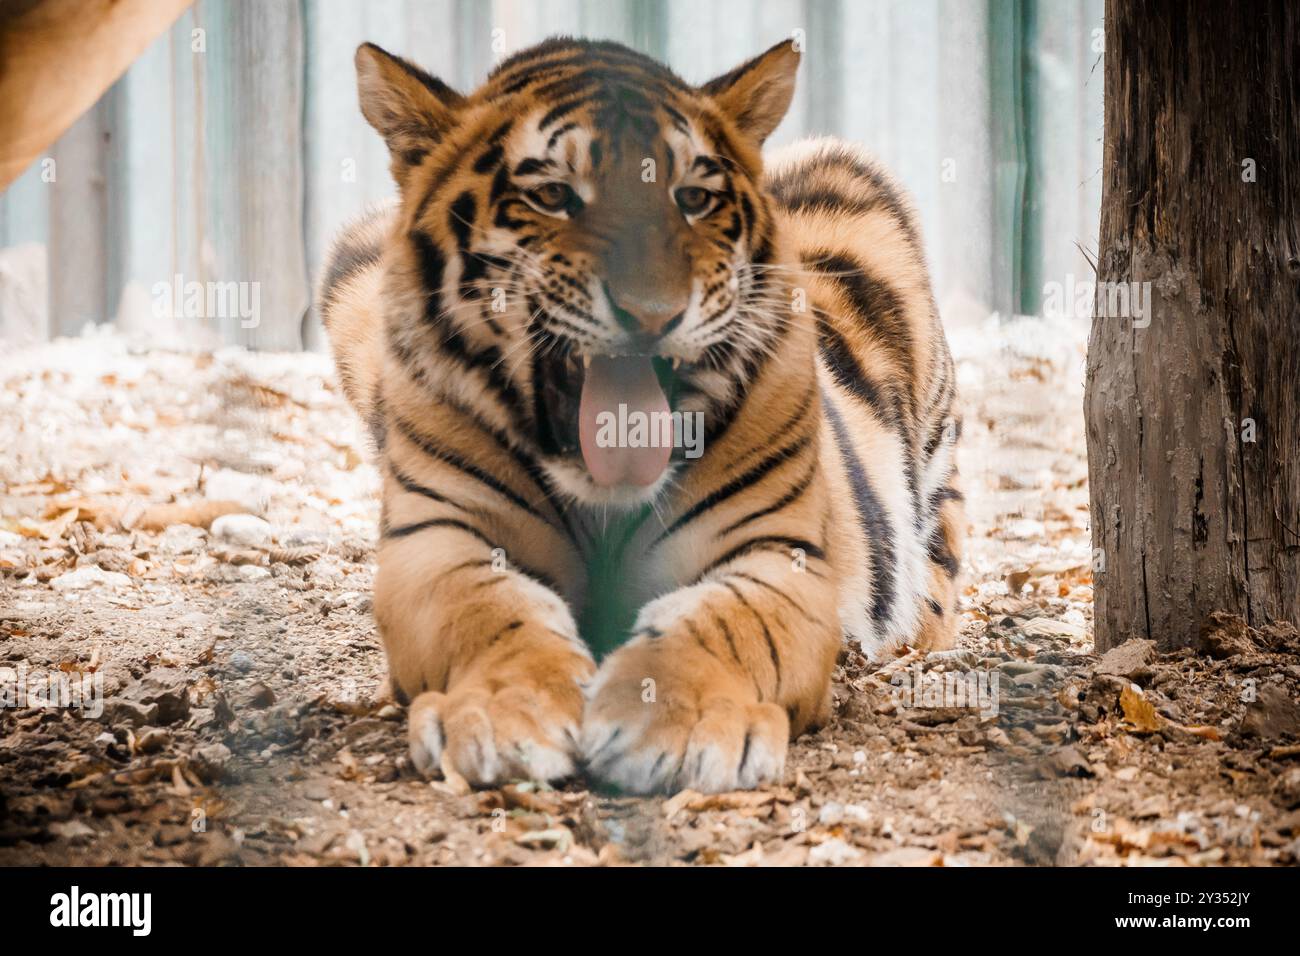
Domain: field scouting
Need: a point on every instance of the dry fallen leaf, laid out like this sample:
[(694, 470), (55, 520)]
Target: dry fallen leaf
[(1048, 627), (50, 530), (1138, 711), (179, 785), (101, 514), (1204, 731), (751, 857), (735, 800), (12, 561), (200, 514), (673, 804)]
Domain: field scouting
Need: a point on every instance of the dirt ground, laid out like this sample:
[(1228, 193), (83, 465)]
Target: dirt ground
[(237, 712)]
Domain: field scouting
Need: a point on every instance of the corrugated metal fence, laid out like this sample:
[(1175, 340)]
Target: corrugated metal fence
[(232, 149)]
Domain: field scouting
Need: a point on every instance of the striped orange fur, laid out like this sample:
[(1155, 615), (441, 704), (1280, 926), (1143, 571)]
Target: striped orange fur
[(675, 628)]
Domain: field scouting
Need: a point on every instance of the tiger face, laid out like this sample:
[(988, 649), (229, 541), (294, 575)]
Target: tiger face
[(589, 233)]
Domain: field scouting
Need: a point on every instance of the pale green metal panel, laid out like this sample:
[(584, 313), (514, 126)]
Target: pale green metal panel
[(141, 167), (253, 209), (917, 112), (1067, 123), (1006, 60), (77, 248), (823, 95), (1046, 94), (24, 209), (189, 186), (525, 22), (24, 237), (962, 216), (473, 26)]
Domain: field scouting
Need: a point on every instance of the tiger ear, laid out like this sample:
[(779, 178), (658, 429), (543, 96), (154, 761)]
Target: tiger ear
[(757, 93), (409, 108)]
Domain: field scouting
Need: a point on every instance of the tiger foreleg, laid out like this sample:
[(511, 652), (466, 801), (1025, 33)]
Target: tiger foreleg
[(490, 659), (716, 677)]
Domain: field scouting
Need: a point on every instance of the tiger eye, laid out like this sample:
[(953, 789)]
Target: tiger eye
[(692, 200), (554, 197)]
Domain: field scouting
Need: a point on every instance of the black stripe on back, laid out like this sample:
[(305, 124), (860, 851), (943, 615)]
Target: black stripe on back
[(348, 258), (807, 198), (884, 195), (848, 374), (873, 299), (871, 516)]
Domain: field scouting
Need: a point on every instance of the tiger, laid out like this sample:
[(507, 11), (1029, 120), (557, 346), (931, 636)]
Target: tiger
[(583, 245)]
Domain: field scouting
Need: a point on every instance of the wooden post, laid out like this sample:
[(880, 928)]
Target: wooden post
[(1193, 392)]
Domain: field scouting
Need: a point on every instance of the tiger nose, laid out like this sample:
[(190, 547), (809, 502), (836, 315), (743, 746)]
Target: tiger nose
[(654, 316)]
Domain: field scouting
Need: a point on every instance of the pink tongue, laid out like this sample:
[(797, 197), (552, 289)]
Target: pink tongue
[(607, 433)]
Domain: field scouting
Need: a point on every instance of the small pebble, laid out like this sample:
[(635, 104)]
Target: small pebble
[(243, 530)]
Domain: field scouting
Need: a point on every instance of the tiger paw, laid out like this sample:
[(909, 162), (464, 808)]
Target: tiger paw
[(660, 720), (515, 733)]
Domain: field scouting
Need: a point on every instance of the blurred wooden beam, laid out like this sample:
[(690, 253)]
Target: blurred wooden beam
[(57, 57)]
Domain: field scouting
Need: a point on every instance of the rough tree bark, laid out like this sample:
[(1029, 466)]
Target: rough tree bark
[(1194, 420)]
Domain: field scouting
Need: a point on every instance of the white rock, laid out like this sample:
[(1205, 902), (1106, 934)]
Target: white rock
[(325, 570), (181, 539), (195, 620), (243, 530), (71, 829), (834, 852), (252, 572), (831, 813), (89, 576)]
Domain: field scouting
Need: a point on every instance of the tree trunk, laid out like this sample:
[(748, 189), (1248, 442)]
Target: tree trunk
[(1193, 419)]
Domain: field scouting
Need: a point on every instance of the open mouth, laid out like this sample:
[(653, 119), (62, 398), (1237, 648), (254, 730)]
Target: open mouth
[(613, 411)]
